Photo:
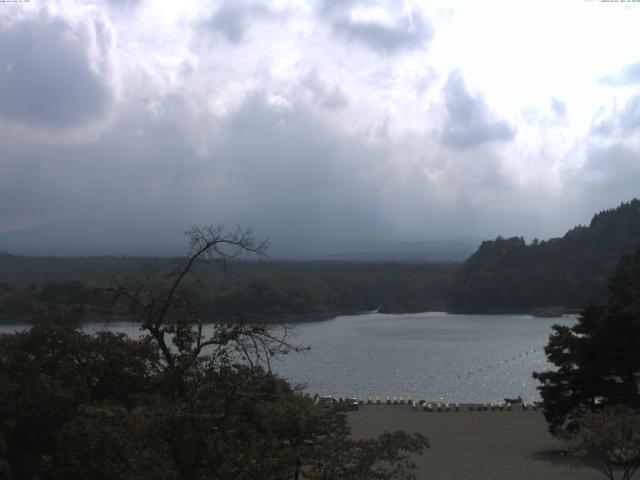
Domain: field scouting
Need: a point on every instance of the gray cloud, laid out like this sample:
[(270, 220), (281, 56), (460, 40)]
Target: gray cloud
[(469, 122), (282, 155), (124, 4), (353, 170), (629, 75), (233, 19), (281, 171), (309, 187), (625, 121), (46, 76), (609, 176), (559, 108), (603, 128), (129, 186), (330, 7), (409, 32), (331, 98), (629, 119)]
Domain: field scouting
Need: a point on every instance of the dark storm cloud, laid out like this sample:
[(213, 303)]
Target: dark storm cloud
[(129, 187), (143, 182), (233, 19), (46, 77), (469, 121), (630, 75)]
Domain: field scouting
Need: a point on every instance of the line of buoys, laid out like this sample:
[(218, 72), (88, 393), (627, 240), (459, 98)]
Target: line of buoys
[(501, 363)]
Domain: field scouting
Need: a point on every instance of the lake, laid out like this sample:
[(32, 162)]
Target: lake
[(433, 356)]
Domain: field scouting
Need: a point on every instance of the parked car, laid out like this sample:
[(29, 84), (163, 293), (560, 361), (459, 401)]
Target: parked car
[(351, 403), (327, 401)]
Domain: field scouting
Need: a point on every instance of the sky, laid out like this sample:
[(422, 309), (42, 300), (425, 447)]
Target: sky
[(317, 122)]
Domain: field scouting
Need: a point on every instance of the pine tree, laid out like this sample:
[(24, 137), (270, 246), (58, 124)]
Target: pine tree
[(597, 359)]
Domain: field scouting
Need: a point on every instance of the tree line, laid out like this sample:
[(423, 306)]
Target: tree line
[(507, 274), (270, 290), (177, 404)]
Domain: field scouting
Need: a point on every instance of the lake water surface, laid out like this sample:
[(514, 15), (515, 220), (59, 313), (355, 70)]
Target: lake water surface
[(433, 356)]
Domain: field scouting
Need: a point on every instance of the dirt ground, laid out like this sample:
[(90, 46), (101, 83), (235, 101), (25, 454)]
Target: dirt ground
[(475, 445)]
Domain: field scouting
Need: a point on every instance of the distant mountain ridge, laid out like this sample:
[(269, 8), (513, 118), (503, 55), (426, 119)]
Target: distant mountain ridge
[(294, 234), (506, 274)]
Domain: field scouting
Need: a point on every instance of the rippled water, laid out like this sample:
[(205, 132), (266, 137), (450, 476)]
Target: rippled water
[(433, 356), (430, 356)]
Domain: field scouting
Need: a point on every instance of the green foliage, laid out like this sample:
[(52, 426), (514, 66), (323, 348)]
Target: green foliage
[(597, 359), (274, 297), (50, 375), (376, 459), (269, 290), (76, 406), (507, 274), (609, 441), (175, 404)]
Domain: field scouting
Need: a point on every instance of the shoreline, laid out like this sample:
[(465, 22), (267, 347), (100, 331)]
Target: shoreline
[(292, 318)]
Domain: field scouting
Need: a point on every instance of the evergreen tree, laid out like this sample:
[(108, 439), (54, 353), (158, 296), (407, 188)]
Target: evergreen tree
[(597, 359)]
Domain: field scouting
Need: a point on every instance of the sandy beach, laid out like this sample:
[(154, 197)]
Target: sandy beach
[(475, 445)]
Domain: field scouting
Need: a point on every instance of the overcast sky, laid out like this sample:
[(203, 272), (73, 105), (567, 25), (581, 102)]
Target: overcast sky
[(430, 119)]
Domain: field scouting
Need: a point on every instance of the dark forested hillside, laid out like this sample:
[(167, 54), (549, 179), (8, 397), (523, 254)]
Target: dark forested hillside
[(508, 274), (505, 274), (34, 288)]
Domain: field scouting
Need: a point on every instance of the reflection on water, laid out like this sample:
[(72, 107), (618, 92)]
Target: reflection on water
[(433, 356)]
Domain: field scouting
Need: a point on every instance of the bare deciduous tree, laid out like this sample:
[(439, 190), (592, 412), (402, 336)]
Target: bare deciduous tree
[(174, 323)]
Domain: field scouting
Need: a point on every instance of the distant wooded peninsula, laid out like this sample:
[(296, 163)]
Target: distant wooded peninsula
[(503, 275), (507, 274)]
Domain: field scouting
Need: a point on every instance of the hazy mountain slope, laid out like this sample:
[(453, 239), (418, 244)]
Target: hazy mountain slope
[(296, 232)]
